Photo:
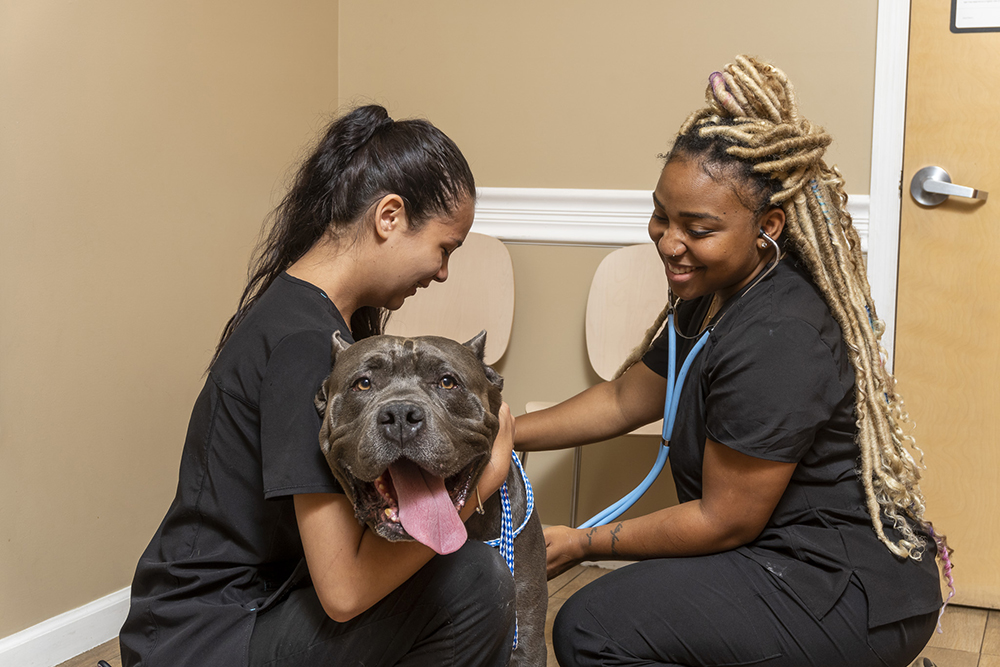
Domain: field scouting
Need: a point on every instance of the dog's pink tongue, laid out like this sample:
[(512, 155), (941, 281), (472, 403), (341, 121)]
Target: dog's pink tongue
[(425, 508)]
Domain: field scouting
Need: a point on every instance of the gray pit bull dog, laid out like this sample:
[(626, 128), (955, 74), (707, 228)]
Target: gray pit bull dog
[(408, 427)]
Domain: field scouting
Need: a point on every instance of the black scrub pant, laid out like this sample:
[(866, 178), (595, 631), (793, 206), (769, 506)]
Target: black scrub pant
[(723, 609), (457, 610)]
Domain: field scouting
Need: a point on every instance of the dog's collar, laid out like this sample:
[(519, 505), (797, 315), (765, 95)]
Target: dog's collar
[(508, 516), (507, 533)]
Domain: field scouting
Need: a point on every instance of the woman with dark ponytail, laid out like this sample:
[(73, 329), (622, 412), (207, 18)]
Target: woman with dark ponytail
[(259, 559)]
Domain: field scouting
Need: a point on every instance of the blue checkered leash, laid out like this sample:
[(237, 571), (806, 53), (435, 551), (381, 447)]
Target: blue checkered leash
[(507, 533)]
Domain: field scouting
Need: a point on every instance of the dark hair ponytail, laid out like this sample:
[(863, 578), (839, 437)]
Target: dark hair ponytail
[(363, 156)]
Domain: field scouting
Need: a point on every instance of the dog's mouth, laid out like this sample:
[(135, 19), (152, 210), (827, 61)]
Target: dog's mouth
[(408, 502)]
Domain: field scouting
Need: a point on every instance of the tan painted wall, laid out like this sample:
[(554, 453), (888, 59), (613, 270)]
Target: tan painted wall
[(141, 145), (585, 94)]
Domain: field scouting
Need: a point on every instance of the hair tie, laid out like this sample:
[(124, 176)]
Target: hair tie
[(720, 91)]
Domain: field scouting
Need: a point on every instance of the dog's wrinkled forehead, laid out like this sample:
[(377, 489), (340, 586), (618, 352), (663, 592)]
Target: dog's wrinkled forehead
[(391, 363), (399, 357), (396, 356)]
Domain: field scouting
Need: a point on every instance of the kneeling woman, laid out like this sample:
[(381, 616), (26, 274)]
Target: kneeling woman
[(800, 537), (260, 559)]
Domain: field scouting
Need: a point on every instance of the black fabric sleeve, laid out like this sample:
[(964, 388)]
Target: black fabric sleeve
[(291, 458), (771, 386), (656, 357)]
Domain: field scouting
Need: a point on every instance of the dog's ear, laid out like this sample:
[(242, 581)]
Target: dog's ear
[(495, 378), (339, 345), (320, 400), (478, 345)]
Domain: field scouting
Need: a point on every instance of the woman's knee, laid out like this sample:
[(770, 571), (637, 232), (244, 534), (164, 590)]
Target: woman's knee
[(576, 634), (475, 578)]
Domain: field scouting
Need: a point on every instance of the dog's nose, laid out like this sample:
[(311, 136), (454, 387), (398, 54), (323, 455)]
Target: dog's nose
[(400, 421)]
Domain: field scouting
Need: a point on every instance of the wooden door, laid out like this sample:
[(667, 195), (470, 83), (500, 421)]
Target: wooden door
[(947, 354)]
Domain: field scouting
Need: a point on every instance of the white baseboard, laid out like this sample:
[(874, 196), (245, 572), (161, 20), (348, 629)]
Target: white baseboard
[(587, 217), (67, 635)]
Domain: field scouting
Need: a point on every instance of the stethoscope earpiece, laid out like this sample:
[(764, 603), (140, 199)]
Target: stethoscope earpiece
[(777, 249)]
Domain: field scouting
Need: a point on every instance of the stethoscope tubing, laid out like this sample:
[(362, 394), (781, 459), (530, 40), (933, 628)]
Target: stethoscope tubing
[(674, 387)]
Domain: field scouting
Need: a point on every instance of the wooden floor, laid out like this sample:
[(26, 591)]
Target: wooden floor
[(971, 636), (107, 652)]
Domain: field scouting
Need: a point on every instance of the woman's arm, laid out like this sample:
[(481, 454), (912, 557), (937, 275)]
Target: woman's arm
[(604, 411), (739, 494), (351, 567)]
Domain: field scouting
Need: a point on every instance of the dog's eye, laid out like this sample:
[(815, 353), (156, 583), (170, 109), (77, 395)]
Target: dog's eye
[(448, 382), (362, 384)]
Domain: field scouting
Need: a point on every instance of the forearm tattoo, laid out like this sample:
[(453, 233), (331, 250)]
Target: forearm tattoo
[(614, 538), (590, 536)]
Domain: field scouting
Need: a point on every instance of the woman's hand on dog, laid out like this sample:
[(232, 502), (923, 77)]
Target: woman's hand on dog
[(563, 549), (495, 472)]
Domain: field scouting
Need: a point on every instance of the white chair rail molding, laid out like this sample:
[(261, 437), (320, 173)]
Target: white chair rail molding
[(587, 217)]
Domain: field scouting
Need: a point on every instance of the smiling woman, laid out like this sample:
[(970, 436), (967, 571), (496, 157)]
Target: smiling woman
[(799, 499), (418, 254), (704, 233), (368, 168), (260, 558)]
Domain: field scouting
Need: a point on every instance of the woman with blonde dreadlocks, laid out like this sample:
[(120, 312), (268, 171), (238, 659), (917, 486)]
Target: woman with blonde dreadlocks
[(800, 538)]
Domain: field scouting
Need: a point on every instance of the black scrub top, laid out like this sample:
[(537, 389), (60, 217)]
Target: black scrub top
[(774, 382), (229, 545)]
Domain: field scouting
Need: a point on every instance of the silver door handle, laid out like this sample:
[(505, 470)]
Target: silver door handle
[(932, 185)]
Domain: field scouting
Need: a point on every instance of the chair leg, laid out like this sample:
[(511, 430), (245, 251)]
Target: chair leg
[(575, 493)]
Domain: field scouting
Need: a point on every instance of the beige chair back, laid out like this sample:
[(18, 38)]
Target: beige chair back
[(628, 291), (479, 294)]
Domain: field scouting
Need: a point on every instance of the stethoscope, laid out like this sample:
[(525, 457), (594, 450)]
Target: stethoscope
[(675, 383)]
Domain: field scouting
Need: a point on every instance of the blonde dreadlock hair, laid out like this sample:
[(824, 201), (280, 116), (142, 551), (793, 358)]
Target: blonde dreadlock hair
[(752, 127)]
